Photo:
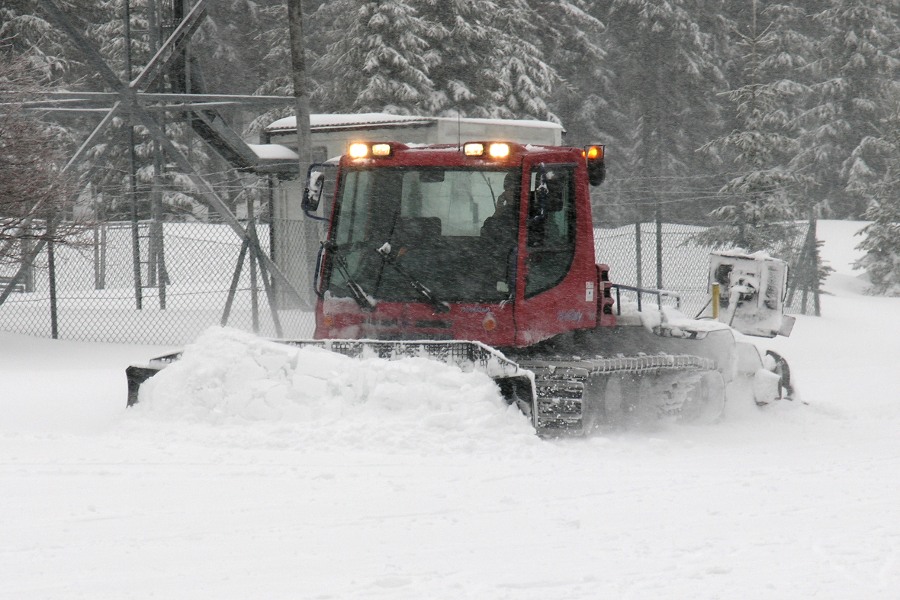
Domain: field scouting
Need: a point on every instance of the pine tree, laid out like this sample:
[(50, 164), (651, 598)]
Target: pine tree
[(463, 80), (376, 60), (273, 37), (434, 57), (109, 33), (858, 65), (177, 195), (664, 84), (571, 35), (107, 30), (882, 235), (226, 48), (524, 78), (490, 57), (765, 197), (25, 33), (275, 62), (33, 188)]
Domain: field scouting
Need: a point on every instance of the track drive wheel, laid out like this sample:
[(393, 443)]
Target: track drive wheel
[(705, 402)]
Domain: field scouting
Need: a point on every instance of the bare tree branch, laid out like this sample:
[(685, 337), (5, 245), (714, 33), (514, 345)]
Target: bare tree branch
[(33, 188)]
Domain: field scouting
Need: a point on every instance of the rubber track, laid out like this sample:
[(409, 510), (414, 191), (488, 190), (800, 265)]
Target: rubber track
[(560, 384)]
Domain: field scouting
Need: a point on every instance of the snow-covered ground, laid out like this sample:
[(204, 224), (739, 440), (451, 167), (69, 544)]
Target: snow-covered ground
[(251, 471)]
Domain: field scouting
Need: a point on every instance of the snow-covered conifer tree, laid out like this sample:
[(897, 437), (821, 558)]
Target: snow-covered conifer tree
[(26, 33), (570, 35), (764, 197), (856, 73), (227, 46), (33, 189), (462, 77), (107, 29), (882, 235), (525, 79), (664, 86), (473, 58), (377, 58)]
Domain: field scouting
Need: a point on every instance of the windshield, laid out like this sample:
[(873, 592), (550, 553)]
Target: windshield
[(452, 230)]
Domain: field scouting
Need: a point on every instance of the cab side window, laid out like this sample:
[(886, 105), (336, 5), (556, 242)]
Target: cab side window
[(551, 227)]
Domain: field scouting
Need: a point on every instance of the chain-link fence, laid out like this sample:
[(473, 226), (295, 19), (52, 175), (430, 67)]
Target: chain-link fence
[(672, 257), (164, 283), (191, 276)]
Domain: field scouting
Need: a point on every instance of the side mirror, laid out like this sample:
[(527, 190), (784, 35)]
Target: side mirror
[(548, 194), (312, 193), (596, 173), (555, 185), (537, 210)]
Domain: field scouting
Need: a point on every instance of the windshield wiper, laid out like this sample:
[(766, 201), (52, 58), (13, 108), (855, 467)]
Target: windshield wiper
[(357, 292), (391, 259)]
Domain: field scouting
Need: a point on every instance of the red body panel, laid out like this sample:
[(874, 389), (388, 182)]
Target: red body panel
[(341, 318), (571, 304)]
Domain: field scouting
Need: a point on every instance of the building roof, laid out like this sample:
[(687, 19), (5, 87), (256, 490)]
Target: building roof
[(335, 122)]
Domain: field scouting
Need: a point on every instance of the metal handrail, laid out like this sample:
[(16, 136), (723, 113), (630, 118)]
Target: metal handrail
[(660, 294)]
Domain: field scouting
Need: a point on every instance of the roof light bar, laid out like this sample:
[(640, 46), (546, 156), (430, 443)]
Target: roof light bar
[(381, 150), (370, 149), (491, 149), (358, 150), (473, 149), (497, 150)]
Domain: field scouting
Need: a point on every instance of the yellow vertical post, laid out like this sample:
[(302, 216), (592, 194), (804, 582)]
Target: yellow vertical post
[(715, 301)]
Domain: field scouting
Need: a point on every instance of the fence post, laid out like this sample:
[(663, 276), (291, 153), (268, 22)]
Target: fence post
[(814, 279), (659, 247), (51, 269), (162, 272), (638, 251), (254, 283), (28, 273), (99, 256)]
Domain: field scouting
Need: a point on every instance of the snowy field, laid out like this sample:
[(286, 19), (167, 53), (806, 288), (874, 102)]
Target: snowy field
[(254, 472)]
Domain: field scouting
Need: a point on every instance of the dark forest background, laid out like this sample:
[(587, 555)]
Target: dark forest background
[(744, 115)]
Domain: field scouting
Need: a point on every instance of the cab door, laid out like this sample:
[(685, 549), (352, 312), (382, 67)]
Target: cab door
[(559, 287)]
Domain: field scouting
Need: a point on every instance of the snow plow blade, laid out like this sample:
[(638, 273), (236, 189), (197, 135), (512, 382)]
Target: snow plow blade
[(515, 383), (138, 374), (682, 380)]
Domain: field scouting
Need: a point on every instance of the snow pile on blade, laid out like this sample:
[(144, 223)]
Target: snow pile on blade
[(229, 376)]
